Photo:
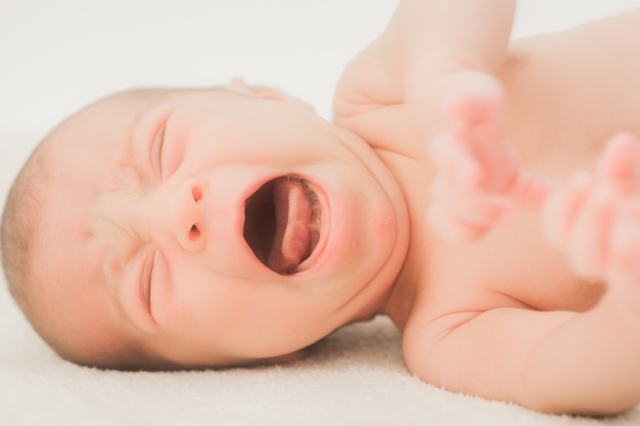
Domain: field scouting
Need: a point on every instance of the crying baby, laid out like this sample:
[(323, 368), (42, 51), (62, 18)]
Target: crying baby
[(480, 193)]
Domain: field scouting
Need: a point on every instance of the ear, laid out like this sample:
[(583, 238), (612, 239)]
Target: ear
[(238, 85)]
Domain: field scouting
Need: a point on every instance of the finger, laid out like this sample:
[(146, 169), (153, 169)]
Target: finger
[(450, 229), (483, 136), (482, 141), (477, 111), (477, 94), (618, 163), (478, 107), (561, 207), (589, 235), (454, 160), (473, 207)]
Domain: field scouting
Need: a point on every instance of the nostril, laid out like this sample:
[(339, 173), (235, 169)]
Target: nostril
[(196, 193), (194, 233)]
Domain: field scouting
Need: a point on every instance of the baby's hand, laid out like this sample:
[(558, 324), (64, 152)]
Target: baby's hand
[(479, 183), (596, 220)]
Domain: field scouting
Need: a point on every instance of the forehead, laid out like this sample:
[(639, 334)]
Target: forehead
[(100, 127), (107, 125), (87, 153)]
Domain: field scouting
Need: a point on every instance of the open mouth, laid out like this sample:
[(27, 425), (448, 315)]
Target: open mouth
[(282, 224)]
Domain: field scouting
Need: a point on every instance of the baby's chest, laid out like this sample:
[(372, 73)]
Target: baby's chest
[(566, 97), (513, 266)]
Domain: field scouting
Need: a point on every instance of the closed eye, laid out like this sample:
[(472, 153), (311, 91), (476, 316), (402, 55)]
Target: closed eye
[(145, 281), (156, 150)]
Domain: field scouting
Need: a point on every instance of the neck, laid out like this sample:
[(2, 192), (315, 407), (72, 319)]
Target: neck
[(400, 297)]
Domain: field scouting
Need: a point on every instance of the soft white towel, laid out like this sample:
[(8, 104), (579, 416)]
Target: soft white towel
[(354, 376)]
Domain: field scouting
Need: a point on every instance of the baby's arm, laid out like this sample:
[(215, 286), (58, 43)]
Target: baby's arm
[(430, 50), (447, 50), (433, 66), (555, 362), (450, 46), (558, 361), (479, 182)]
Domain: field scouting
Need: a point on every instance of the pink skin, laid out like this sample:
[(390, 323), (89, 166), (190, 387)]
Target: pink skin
[(160, 231), (595, 219), (504, 318), (478, 183), (502, 314)]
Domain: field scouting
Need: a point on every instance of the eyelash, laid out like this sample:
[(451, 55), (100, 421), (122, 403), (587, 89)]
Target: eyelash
[(156, 150), (147, 274)]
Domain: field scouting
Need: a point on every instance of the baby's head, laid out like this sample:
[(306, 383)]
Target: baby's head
[(190, 228)]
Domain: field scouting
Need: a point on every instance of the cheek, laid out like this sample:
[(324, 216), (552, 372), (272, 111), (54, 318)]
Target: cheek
[(201, 297)]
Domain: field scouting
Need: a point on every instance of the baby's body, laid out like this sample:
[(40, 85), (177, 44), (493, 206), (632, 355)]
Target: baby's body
[(150, 190), (504, 317)]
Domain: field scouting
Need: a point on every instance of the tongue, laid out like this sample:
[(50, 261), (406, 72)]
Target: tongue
[(292, 237)]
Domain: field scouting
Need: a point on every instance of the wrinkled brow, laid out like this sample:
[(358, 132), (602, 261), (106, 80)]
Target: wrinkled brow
[(126, 175), (120, 246)]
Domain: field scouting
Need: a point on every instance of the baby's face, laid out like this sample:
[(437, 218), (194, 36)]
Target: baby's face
[(154, 234)]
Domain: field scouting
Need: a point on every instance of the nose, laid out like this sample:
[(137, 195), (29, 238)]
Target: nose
[(182, 214)]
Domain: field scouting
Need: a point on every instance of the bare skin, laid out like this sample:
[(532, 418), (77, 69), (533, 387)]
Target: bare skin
[(523, 289), (508, 316), (144, 227)]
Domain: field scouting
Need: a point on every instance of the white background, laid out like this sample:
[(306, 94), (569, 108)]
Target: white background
[(58, 55)]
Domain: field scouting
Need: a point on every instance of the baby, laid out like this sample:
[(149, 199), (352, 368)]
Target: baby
[(165, 229)]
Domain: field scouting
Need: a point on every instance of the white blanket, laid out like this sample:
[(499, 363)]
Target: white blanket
[(56, 56)]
